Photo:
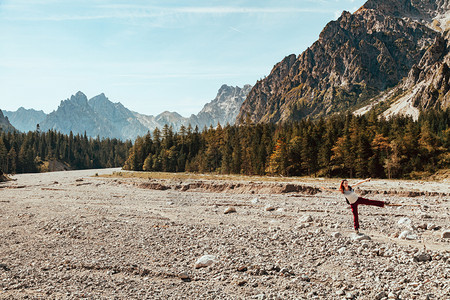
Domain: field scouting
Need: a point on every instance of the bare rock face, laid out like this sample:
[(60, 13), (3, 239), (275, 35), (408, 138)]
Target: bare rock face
[(5, 125), (385, 44)]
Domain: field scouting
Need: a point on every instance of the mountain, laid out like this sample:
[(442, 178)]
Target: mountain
[(122, 122), (101, 117), (25, 119), (4, 123), (391, 54), (223, 109), (77, 116)]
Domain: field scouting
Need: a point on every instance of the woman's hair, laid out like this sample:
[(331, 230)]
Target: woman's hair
[(341, 186)]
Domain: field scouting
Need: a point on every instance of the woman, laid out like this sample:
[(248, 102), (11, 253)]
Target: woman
[(354, 200)]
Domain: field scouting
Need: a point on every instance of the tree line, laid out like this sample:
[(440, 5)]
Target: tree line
[(27, 152), (342, 145)]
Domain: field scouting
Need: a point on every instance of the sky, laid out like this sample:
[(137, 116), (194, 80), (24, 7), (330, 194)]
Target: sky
[(152, 56)]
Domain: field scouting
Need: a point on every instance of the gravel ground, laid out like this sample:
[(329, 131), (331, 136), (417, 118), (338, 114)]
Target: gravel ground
[(73, 235)]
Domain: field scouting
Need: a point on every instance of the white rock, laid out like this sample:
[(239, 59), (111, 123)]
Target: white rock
[(392, 296), (255, 201), (341, 250), (205, 261), (408, 235), (360, 237), (305, 219), (229, 209), (269, 208)]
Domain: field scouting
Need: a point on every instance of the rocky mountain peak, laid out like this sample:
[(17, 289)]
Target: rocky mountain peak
[(356, 58), (78, 99)]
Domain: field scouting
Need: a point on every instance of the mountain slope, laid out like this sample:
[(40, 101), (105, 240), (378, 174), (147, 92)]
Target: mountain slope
[(355, 59), (25, 119), (4, 123)]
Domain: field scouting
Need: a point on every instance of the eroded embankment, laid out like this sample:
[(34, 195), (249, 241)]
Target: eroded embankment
[(264, 188), (232, 187)]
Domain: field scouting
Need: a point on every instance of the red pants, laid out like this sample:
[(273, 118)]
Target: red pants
[(365, 202)]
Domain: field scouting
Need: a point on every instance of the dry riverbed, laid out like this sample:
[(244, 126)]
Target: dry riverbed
[(75, 235)]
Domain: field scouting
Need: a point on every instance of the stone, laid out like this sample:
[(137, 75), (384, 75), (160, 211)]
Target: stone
[(432, 226), (380, 296), (422, 257), (229, 210), (341, 250), (269, 208), (255, 201), (205, 261), (392, 296), (360, 237), (446, 234), (408, 235), (336, 235), (184, 276), (305, 219)]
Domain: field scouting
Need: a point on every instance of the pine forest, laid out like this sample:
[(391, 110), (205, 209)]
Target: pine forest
[(340, 146)]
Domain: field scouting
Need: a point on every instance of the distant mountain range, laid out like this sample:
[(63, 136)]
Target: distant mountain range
[(99, 116), (390, 54)]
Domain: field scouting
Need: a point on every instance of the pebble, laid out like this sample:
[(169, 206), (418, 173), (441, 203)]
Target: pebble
[(446, 234), (408, 235), (229, 210), (360, 237), (205, 261), (255, 201), (336, 235), (305, 219), (269, 208), (422, 257)]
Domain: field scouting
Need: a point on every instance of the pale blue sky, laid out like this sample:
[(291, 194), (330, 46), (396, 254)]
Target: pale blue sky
[(151, 56)]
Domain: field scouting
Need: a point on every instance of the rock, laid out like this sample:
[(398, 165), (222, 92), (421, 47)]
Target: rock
[(422, 257), (341, 250), (269, 208), (446, 234), (241, 282), (392, 296), (303, 225), (242, 268), (380, 296), (305, 219), (432, 226), (360, 237), (255, 201), (229, 210), (205, 261), (184, 276), (408, 235), (336, 235)]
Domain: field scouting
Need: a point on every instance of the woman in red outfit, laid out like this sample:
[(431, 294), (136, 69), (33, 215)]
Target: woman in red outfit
[(354, 200)]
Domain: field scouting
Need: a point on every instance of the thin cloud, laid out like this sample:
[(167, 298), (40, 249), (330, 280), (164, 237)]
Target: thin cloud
[(145, 12)]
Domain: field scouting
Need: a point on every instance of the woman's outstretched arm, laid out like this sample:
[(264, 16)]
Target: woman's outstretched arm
[(368, 179)]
